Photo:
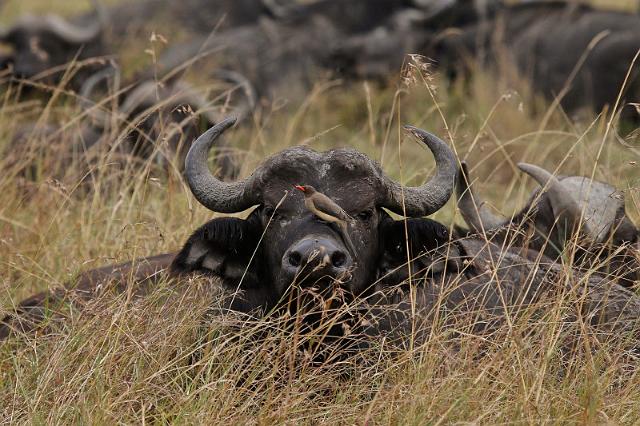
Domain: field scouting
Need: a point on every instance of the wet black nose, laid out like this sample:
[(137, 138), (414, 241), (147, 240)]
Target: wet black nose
[(315, 258)]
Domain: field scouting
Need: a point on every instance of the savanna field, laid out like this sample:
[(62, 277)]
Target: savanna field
[(164, 358)]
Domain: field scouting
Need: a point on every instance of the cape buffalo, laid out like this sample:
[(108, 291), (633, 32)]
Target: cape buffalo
[(566, 207), (278, 58), (486, 286), (380, 52), (41, 43), (564, 49), (153, 123), (281, 251), (42, 46), (281, 242)]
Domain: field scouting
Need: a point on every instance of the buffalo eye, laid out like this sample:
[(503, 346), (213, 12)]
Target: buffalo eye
[(268, 211), (365, 215), (442, 233), (271, 213)]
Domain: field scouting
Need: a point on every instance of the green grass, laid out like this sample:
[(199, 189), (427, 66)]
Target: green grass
[(154, 359)]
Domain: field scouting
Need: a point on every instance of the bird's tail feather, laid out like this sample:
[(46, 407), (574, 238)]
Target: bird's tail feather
[(347, 239)]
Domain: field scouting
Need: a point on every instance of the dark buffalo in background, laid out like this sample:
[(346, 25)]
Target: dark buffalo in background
[(153, 125), (263, 48), (40, 43), (271, 42), (546, 41), (43, 46), (284, 54), (267, 33)]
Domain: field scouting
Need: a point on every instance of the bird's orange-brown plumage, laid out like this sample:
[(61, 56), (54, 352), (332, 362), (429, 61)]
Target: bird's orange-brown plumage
[(327, 209)]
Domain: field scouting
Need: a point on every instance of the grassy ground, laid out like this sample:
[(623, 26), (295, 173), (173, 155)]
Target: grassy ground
[(133, 361)]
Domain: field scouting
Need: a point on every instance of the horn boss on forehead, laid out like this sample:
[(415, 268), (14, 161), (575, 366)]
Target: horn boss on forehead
[(238, 196)]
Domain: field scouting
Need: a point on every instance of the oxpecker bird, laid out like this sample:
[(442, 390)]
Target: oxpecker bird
[(328, 210)]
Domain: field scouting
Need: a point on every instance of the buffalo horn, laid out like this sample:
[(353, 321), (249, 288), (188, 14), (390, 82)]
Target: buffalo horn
[(430, 197), (238, 196), (562, 201), (474, 210), (212, 193), (148, 94), (247, 88), (99, 116), (64, 29)]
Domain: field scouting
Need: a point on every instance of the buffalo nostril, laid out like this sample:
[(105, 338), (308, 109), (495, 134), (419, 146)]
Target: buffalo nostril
[(338, 259), (295, 258)]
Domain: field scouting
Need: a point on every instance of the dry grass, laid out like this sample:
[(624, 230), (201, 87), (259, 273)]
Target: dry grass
[(164, 358)]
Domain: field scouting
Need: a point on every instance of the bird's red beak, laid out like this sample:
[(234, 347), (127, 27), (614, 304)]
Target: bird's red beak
[(299, 187)]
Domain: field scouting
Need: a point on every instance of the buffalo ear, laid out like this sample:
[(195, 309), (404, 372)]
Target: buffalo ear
[(223, 248), (429, 247)]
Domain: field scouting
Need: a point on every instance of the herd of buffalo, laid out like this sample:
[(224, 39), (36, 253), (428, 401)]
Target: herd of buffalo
[(573, 236)]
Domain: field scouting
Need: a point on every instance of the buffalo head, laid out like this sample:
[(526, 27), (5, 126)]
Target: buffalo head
[(38, 44), (566, 207), (282, 243)]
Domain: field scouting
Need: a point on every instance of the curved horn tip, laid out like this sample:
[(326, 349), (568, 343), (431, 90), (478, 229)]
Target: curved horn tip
[(525, 166), (224, 124), (229, 121), (426, 137), (431, 196), (541, 175), (210, 135), (416, 131)]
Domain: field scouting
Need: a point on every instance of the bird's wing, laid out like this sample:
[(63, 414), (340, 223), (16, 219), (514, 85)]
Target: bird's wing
[(328, 206)]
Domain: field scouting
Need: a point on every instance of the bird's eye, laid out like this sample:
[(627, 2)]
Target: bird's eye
[(365, 215)]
